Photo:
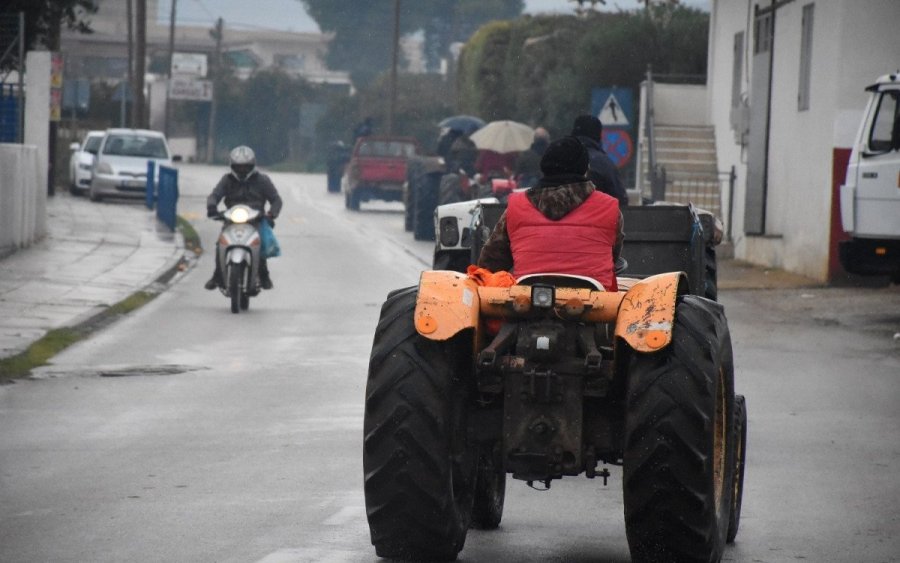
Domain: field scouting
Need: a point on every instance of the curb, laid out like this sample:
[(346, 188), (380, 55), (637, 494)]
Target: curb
[(19, 366)]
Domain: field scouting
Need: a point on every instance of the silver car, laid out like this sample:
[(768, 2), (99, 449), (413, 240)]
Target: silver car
[(81, 162), (120, 167)]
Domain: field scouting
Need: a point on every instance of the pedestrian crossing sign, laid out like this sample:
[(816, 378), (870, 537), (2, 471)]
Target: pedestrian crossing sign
[(613, 106)]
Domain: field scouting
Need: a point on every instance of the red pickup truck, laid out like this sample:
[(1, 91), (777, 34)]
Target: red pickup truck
[(377, 169)]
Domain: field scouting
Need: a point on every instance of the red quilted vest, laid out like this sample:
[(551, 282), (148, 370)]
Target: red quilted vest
[(580, 243)]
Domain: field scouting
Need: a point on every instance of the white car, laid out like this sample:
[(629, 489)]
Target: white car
[(81, 162), (120, 167)]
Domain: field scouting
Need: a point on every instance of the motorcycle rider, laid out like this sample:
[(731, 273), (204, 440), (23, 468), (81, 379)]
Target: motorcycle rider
[(563, 225), (244, 184)]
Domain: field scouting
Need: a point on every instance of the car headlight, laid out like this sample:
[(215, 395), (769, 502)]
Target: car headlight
[(542, 296), (104, 168), (83, 166)]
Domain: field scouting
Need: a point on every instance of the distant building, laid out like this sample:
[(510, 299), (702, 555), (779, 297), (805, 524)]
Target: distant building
[(103, 55)]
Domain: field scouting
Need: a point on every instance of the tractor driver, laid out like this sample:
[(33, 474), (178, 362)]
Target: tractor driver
[(244, 184), (562, 225)]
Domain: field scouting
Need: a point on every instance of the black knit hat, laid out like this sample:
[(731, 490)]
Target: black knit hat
[(565, 156), (587, 126)]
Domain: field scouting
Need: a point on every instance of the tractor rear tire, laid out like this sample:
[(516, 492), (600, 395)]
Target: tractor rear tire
[(419, 467), (710, 273), (490, 493), (679, 427), (740, 460), (424, 203)]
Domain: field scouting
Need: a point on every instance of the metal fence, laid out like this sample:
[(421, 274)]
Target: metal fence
[(12, 56)]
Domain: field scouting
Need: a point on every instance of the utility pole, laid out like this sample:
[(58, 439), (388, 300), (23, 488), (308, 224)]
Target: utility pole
[(130, 27), (140, 61), (393, 107), (216, 34), (169, 70)]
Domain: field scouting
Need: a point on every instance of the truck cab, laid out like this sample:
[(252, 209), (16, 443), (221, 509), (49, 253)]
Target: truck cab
[(870, 195)]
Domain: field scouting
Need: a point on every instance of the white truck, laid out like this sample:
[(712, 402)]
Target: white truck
[(870, 195)]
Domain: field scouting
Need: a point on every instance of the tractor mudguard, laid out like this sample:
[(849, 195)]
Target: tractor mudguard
[(447, 304), (450, 302), (648, 310)]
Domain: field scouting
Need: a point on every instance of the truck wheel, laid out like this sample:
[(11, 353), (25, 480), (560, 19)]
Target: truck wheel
[(235, 276), (490, 493), (679, 459), (710, 274), (351, 200), (424, 203), (740, 459), (419, 469)]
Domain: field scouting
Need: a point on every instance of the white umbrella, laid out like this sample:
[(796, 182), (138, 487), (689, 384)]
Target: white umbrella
[(504, 136)]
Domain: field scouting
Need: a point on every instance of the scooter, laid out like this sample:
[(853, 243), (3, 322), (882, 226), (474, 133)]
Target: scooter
[(238, 251)]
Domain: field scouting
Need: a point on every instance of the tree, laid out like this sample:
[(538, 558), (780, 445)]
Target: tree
[(362, 29), (44, 19)]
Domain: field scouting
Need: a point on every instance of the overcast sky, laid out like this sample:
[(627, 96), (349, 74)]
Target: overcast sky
[(273, 14)]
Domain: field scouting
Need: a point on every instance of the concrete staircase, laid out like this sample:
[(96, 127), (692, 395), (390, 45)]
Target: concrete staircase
[(688, 156)]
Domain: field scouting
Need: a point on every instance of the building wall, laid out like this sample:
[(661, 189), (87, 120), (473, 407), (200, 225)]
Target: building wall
[(854, 41)]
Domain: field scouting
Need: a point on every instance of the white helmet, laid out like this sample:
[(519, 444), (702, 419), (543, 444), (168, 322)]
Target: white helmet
[(242, 162)]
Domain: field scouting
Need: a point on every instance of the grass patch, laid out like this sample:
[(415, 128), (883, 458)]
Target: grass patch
[(130, 303), (189, 234), (57, 340), (38, 353)]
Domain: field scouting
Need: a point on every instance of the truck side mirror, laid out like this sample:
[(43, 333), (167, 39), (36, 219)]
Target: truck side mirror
[(74, 147)]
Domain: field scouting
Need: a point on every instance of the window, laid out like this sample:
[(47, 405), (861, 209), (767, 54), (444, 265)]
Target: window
[(805, 57), (886, 123), (737, 69), (92, 145), (764, 32), (135, 145)]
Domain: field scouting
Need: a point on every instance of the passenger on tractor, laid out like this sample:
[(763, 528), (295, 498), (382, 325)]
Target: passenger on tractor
[(244, 184), (563, 225)]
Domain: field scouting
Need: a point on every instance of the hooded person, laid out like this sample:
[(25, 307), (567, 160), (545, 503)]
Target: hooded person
[(563, 225), (602, 171)]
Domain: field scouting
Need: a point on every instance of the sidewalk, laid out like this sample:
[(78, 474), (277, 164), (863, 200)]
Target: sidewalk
[(94, 255)]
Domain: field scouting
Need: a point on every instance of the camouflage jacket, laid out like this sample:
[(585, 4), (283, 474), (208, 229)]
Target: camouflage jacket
[(554, 203)]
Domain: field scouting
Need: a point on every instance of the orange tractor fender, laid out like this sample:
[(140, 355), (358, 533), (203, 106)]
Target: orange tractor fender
[(450, 302)]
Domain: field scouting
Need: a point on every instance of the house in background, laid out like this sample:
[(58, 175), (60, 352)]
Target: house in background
[(785, 92)]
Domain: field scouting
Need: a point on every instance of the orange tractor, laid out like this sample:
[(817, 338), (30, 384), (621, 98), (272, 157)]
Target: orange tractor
[(548, 378)]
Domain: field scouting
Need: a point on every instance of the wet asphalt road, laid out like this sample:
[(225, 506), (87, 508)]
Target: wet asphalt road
[(186, 433)]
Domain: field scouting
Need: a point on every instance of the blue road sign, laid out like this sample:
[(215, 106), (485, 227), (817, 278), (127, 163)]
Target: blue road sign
[(614, 107)]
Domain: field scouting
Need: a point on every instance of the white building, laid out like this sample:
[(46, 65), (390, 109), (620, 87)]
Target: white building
[(786, 83)]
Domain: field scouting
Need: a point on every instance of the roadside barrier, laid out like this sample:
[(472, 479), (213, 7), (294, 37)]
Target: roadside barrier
[(163, 193)]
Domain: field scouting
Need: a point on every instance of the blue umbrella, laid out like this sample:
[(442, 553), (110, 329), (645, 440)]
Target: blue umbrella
[(467, 124)]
